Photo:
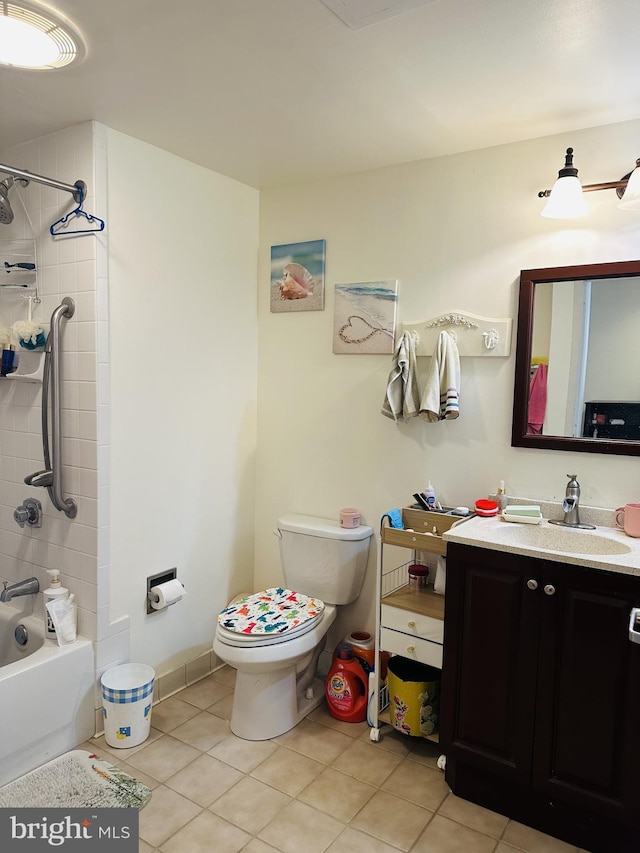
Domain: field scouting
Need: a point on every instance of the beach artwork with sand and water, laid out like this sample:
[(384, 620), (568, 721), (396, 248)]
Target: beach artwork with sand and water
[(297, 276), (365, 317)]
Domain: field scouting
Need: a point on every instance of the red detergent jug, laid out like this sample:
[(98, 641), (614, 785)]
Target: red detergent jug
[(364, 652), (346, 687)]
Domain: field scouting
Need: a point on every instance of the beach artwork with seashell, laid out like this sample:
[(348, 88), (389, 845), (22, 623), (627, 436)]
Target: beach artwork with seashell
[(297, 276), (364, 319)]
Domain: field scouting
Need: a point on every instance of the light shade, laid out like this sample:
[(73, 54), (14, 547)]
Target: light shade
[(33, 37), (631, 198), (566, 200)]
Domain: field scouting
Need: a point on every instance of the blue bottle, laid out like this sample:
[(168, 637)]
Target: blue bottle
[(8, 358)]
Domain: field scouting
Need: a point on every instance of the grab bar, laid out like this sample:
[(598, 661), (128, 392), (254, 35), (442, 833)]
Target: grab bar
[(51, 477)]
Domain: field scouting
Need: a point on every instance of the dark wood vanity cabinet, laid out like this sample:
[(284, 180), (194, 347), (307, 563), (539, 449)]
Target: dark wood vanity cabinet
[(540, 712)]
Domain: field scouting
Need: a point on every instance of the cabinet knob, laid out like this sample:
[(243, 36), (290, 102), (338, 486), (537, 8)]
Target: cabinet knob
[(411, 649), (532, 583), (549, 589), (411, 624)]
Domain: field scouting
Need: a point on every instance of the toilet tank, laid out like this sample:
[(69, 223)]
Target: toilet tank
[(322, 559)]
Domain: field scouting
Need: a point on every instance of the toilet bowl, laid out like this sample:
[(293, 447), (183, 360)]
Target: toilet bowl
[(274, 638), (275, 683)]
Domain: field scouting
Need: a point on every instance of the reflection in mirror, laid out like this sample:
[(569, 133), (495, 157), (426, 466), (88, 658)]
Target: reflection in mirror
[(576, 385)]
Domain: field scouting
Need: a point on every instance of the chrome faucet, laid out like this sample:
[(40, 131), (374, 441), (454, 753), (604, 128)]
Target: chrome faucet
[(29, 587), (571, 501), (570, 506)]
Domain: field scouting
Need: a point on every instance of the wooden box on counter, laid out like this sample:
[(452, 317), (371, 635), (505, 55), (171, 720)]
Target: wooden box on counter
[(424, 533)]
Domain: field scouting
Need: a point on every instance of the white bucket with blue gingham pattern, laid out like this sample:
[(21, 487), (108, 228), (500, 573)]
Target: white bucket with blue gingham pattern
[(127, 694)]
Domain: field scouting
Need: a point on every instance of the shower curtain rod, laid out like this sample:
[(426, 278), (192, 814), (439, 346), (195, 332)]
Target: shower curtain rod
[(77, 190)]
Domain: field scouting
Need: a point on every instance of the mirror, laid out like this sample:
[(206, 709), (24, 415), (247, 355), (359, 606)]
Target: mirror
[(576, 382)]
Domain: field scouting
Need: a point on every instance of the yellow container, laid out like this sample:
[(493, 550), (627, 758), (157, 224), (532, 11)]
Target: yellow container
[(414, 696)]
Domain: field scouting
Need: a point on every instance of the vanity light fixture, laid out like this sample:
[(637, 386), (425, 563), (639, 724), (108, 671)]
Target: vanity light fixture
[(35, 37), (565, 198), (630, 200)]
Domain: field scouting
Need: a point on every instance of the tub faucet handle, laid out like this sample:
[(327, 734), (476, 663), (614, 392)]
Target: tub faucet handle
[(29, 512)]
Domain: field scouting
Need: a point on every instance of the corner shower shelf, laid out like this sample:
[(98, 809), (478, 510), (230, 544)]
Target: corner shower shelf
[(30, 367), (17, 291), (14, 252)]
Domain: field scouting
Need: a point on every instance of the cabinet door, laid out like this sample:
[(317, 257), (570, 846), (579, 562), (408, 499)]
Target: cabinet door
[(587, 739), (490, 660)]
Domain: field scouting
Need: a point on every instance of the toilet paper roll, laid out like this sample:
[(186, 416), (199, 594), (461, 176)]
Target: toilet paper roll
[(168, 593)]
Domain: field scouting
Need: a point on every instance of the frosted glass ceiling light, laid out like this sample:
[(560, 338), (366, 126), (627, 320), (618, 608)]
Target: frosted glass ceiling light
[(33, 36), (565, 198), (566, 201)]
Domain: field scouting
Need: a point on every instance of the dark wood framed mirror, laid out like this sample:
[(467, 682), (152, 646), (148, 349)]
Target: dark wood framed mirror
[(577, 376)]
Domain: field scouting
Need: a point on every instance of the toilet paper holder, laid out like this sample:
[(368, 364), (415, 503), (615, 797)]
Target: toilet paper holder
[(156, 580)]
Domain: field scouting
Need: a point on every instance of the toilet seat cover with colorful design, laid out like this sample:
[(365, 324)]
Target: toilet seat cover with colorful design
[(272, 612)]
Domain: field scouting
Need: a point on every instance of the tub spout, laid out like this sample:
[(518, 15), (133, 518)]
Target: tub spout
[(29, 587)]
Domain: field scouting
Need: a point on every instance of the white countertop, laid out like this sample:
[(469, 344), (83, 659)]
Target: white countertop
[(551, 542)]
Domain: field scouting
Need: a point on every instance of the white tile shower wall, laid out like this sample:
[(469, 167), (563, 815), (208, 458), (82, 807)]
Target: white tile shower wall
[(66, 267)]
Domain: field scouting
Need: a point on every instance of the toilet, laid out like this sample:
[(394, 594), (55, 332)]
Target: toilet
[(274, 638)]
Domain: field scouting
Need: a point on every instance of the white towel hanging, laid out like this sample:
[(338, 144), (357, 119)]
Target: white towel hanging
[(441, 398), (402, 398)]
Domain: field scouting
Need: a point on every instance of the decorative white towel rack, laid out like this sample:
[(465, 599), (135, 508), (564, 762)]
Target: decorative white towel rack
[(473, 334)]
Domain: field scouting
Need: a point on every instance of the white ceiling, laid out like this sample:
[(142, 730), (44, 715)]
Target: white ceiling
[(276, 91)]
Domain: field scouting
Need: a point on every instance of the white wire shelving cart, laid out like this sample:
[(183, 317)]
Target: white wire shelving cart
[(409, 622)]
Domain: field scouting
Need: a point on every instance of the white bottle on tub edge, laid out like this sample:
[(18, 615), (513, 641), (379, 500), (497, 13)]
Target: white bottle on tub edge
[(51, 593)]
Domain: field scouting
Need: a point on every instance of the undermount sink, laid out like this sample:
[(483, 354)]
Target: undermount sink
[(562, 539)]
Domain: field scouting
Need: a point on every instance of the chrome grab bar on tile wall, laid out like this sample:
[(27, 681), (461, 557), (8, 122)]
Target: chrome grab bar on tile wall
[(51, 477)]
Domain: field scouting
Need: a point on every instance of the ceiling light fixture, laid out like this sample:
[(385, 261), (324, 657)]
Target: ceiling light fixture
[(565, 198), (361, 13), (33, 36)]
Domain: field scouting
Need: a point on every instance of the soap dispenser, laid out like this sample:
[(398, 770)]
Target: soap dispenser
[(500, 497), (53, 592)]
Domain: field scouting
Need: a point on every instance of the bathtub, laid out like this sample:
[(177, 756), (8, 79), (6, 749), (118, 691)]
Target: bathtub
[(46, 695)]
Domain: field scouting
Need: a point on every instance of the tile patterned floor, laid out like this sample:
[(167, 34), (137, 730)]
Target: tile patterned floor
[(321, 788)]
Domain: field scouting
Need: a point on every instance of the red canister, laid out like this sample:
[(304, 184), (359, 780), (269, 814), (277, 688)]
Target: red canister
[(418, 576)]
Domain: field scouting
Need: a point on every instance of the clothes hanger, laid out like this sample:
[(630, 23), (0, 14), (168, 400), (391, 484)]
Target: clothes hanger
[(59, 227)]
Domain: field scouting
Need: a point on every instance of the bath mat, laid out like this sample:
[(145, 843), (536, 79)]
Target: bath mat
[(77, 779)]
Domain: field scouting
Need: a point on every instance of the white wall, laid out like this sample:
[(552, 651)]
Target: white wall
[(183, 245), (455, 231), (614, 343)]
